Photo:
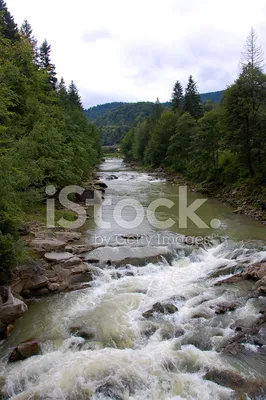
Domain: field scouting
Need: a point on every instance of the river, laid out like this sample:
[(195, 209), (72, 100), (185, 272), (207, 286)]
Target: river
[(126, 356)]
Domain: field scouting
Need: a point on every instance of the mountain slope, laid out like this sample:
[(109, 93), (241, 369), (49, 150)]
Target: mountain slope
[(117, 118)]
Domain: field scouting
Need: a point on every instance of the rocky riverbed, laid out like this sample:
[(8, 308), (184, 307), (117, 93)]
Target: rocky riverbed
[(123, 319)]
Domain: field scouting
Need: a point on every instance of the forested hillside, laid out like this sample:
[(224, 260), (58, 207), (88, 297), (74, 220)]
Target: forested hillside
[(45, 137), (218, 143), (115, 119)]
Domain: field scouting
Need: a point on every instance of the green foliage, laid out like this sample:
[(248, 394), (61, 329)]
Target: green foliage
[(177, 97), (204, 149), (211, 142), (44, 136), (192, 102), (180, 143)]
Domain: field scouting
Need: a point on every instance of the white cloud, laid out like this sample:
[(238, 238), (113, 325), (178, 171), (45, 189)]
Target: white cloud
[(136, 50)]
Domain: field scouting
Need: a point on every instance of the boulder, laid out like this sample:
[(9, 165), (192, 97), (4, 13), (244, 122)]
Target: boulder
[(58, 257), (42, 245), (80, 332), (36, 282), (72, 261), (80, 249), (101, 185), (11, 308), (254, 272), (68, 236), (242, 386), (24, 350), (160, 309), (53, 287), (111, 177), (222, 308)]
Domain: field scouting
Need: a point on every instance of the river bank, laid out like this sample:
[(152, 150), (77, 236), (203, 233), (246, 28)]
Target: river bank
[(246, 198)]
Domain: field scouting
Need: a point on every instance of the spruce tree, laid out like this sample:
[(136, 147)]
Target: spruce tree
[(45, 62), (26, 31), (73, 95), (192, 102), (8, 28), (177, 97)]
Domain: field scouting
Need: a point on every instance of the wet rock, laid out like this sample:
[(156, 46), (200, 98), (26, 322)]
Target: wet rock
[(111, 177), (80, 332), (222, 308), (101, 185), (58, 257), (87, 194), (24, 350), (160, 309), (11, 308), (241, 385), (108, 391), (81, 278), (255, 272), (131, 237)]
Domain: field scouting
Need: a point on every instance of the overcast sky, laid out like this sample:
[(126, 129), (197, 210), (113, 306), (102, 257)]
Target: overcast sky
[(133, 50)]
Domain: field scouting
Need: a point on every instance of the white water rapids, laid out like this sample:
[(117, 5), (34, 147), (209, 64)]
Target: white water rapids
[(128, 356)]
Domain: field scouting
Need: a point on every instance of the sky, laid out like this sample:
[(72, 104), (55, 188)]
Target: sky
[(135, 50)]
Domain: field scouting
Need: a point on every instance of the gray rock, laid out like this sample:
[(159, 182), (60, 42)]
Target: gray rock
[(58, 257), (11, 308), (160, 309), (47, 244)]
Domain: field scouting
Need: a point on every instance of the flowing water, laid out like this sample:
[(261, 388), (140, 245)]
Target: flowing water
[(126, 356)]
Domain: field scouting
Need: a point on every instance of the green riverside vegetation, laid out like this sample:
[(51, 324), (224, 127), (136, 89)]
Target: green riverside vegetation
[(222, 143), (45, 138)]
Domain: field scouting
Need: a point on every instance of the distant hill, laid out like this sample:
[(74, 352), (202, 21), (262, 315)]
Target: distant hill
[(117, 118), (96, 111)]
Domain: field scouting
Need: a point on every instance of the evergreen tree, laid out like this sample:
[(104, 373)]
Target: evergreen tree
[(180, 142), (73, 95), (45, 62), (177, 97), (192, 102), (26, 31), (8, 28)]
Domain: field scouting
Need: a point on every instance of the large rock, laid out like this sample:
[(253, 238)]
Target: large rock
[(241, 385), (72, 261), (254, 272), (58, 257), (36, 282), (24, 350), (11, 308), (160, 308), (68, 236), (42, 245)]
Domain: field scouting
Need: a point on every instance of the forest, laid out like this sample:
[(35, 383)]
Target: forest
[(45, 139), (221, 143), (115, 119)]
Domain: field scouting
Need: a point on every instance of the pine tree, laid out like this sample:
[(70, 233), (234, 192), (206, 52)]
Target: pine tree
[(45, 62), (192, 102), (26, 31), (177, 97), (8, 28), (73, 95)]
